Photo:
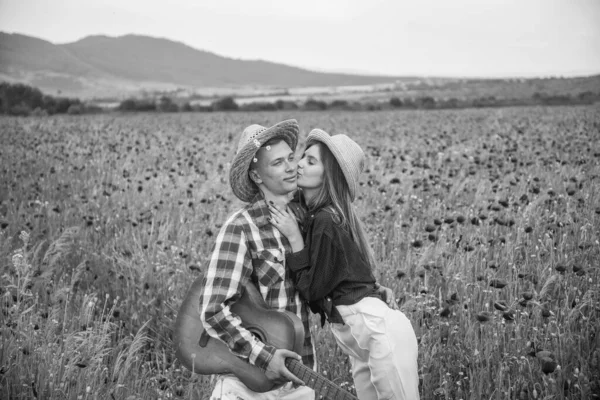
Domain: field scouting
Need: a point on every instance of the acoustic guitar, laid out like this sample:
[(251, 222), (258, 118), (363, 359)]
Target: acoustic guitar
[(205, 355)]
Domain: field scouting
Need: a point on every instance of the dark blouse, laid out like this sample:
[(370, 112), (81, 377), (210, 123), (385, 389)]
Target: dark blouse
[(330, 270)]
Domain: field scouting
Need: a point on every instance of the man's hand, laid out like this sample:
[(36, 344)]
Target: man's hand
[(278, 373), (388, 297)]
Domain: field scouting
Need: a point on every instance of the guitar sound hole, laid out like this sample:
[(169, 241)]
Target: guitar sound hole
[(258, 336)]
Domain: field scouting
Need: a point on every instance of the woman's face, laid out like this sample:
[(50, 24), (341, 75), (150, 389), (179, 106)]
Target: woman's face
[(310, 169)]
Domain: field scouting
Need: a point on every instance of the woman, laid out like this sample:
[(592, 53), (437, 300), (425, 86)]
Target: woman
[(332, 264)]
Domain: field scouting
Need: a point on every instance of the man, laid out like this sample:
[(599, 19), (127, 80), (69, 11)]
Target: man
[(250, 250)]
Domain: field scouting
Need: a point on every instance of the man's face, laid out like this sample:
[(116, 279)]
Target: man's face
[(275, 170)]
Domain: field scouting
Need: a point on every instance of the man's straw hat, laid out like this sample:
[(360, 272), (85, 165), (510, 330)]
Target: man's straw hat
[(253, 137)]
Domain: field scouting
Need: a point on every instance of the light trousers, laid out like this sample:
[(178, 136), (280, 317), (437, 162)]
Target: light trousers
[(383, 350), (229, 387)]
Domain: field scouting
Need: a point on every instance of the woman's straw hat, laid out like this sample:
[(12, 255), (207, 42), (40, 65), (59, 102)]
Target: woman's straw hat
[(348, 154), (251, 140)]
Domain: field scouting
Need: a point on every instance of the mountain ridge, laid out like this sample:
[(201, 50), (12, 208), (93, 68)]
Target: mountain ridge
[(102, 63)]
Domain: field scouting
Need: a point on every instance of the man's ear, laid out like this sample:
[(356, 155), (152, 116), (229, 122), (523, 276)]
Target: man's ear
[(255, 176)]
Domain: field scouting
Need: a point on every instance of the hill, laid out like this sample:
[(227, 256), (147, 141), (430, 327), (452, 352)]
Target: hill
[(102, 64)]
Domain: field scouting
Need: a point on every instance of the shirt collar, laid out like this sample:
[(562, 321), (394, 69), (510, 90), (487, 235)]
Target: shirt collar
[(259, 211)]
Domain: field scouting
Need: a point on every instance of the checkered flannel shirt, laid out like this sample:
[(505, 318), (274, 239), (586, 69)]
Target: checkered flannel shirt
[(249, 249)]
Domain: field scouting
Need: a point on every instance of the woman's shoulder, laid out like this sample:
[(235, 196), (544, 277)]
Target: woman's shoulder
[(325, 219)]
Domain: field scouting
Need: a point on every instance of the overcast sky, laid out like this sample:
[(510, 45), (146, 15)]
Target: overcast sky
[(484, 38)]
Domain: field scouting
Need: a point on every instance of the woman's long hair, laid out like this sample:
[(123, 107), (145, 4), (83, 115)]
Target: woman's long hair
[(334, 197)]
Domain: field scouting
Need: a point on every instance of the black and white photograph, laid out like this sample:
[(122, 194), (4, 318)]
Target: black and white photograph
[(300, 200)]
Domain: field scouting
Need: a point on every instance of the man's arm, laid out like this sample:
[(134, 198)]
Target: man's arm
[(229, 269)]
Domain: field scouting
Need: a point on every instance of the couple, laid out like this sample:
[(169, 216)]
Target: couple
[(327, 265)]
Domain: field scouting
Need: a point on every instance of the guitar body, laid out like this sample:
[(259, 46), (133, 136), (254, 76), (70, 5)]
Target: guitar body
[(281, 329)]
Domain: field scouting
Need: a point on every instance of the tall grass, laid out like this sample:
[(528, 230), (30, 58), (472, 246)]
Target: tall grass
[(485, 223)]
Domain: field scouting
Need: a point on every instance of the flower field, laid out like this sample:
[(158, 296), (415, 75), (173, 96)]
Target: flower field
[(485, 222)]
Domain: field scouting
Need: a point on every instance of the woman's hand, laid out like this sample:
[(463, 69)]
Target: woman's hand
[(388, 296), (285, 221)]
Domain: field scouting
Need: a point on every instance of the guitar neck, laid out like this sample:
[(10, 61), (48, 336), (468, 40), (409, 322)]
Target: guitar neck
[(321, 385)]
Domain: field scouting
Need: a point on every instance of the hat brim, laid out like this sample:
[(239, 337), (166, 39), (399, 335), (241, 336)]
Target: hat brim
[(241, 184), (325, 138)]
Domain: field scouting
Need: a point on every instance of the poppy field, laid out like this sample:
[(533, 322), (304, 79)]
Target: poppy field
[(484, 222)]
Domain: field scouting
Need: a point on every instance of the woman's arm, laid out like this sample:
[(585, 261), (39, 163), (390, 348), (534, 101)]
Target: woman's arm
[(319, 267)]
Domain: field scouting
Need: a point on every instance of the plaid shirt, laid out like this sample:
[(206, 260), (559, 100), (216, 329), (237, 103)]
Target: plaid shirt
[(250, 249)]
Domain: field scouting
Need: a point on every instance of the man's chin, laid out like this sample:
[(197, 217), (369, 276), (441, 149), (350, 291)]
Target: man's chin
[(290, 187)]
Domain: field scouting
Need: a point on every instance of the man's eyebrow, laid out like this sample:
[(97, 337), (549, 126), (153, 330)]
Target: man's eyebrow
[(282, 157)]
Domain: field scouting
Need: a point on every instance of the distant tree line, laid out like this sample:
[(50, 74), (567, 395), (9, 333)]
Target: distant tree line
[(418, 103), (24, 100), (21, 99), (165, 104)]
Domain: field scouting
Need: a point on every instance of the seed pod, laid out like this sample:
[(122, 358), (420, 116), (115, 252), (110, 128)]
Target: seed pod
[(548, 365), (445, 312), (430, 228), (546, 313), (527, 295), (417, 244), (484, 316), (497, 283), (508, 315), (523, 302)]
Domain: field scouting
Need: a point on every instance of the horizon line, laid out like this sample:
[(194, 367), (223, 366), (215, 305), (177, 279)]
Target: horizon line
[(561, 75)]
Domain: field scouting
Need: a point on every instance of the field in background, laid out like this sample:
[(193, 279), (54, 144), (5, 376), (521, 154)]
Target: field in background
[(486, 223), (487, 91)]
